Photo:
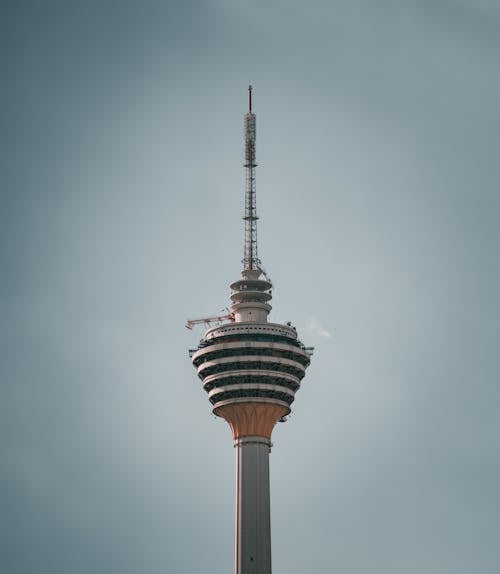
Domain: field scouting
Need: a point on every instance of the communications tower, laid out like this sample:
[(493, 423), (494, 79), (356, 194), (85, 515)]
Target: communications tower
[(251, 370)]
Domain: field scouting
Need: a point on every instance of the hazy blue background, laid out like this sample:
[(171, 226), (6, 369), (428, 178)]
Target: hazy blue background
[(121, 195)]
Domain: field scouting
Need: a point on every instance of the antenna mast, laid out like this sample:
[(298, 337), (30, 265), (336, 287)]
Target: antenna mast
[(250, 258)]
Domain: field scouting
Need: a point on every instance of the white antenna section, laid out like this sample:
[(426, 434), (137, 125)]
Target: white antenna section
[(250, 258)]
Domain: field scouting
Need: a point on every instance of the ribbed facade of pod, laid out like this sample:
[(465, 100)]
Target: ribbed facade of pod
[(249, 362)]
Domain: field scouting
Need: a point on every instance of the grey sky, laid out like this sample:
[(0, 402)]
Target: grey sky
[(121, 197)]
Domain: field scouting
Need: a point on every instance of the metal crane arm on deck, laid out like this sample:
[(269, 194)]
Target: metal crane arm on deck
[(208, 320)]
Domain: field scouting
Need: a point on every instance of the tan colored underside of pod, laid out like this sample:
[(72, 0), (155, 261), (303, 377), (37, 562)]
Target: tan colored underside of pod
[(251, 419)]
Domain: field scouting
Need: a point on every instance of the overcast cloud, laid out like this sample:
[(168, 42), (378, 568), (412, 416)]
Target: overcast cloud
[(121, 195)]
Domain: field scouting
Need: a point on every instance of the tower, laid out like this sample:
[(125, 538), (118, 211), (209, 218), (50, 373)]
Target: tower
[(251, 370)]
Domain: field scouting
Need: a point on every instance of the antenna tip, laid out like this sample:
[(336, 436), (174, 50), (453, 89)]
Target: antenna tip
[(250, 98)]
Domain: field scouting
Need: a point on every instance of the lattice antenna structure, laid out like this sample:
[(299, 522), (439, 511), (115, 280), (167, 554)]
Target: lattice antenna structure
[(250, 258)]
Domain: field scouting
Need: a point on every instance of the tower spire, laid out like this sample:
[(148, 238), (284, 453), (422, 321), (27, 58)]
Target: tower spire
[(250, 261)]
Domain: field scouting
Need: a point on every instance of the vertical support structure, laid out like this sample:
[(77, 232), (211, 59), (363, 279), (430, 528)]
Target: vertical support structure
[(252, 532), (250, 258)]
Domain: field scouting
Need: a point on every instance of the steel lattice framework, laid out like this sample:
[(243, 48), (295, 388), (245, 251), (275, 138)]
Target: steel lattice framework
[(250, 258)]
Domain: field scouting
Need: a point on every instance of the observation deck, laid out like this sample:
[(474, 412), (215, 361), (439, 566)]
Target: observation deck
[(250, 362)]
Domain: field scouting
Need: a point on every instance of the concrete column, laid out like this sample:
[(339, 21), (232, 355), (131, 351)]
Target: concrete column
[(252, 541)]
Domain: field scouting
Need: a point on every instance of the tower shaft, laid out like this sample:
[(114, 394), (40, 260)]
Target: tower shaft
[(252, 532)]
